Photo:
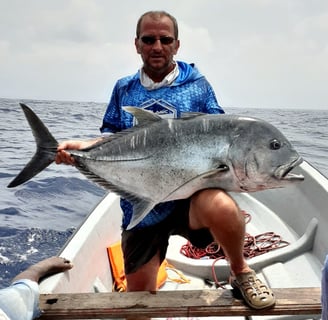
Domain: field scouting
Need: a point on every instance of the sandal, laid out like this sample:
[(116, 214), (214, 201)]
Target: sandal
[(255, 293)]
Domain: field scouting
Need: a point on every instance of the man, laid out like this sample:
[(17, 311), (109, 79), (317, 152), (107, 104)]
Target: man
[(20, 301), (169, 88)]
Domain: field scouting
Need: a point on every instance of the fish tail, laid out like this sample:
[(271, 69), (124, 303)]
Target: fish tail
[(45, 152)]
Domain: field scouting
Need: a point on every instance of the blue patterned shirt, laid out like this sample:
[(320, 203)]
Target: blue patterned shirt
[(190, 92)]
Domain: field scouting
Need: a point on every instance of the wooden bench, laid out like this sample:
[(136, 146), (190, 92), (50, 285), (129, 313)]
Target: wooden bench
[(191, 303)]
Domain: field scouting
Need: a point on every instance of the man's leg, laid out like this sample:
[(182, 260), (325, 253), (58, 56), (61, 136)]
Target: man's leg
[(142, 259), (217, 211), (145, 278)]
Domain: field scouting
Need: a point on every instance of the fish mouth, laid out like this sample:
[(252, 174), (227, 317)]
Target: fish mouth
[(284, 172)]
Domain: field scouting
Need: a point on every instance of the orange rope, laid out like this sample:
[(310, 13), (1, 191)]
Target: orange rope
[(253, 246)]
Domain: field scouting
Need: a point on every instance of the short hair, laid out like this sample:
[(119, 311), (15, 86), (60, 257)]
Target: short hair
[(156, 15)]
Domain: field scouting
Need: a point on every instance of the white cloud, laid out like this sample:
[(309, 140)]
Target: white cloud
[(255, 53)]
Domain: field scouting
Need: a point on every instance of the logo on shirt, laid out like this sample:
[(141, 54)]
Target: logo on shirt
[(161, 107)]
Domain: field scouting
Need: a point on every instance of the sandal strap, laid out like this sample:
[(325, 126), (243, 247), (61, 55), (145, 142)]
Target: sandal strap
[(255, 293)]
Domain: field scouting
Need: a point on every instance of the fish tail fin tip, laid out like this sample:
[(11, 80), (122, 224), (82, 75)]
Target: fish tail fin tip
[(45, 152)]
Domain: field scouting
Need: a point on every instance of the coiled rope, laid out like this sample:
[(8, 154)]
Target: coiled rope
[(253, 246)]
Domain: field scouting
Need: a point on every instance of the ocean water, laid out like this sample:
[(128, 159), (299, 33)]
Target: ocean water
[(37, 218)]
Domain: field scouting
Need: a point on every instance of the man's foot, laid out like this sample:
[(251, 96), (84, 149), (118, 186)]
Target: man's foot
[(255, 293), (45, 268)]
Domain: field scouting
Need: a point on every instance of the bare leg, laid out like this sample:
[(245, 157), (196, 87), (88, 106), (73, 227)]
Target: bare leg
[(144, 279), (216, 210), (44, 268)]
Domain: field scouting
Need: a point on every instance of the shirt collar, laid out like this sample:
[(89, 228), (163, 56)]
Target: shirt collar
[(167, 81)]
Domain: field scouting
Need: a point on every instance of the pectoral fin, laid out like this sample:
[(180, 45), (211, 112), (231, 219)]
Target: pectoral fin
[(210, 174), (197, 183), (141, 207)]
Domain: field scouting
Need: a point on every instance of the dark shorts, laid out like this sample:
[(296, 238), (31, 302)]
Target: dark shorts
[(139, 246)]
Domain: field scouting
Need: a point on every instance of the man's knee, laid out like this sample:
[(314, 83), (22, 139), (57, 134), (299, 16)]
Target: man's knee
[(210, 205), (213, 200)]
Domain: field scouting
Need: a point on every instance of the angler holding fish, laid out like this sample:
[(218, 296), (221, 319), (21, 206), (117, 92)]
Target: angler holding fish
[(173, 170)]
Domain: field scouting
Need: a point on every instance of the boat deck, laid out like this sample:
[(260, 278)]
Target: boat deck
[(298, 215), (293, 266), (282, 267)]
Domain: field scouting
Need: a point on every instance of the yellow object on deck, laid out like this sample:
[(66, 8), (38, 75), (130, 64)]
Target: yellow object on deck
[(116, 261)]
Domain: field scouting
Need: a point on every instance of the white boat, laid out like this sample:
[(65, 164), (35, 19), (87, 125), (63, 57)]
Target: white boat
[(297, 213)]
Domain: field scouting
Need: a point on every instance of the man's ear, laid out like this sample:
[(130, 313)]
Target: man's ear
[(176, 46), (137, 45)]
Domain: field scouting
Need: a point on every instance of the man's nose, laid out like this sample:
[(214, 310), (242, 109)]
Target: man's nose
[(157, 45)]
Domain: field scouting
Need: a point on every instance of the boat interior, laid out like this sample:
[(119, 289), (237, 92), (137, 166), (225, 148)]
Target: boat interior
[(298, 214)]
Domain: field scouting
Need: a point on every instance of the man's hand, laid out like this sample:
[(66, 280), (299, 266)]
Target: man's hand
[(64, 157)]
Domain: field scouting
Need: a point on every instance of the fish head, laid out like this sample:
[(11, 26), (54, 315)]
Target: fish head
[(262, 157)]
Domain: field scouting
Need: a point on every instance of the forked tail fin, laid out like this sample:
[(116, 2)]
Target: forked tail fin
[(45, 151)]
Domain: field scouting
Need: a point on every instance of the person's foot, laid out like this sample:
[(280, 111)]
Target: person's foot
[(45, 268), (255, 293)]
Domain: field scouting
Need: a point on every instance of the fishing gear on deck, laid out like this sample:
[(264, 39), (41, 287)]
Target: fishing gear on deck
[(253, 246)]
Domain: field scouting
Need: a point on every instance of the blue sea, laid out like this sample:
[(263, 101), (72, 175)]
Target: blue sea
[(37, 218)]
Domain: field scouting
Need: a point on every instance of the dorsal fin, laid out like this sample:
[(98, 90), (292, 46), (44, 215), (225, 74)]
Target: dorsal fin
[(143, 117)]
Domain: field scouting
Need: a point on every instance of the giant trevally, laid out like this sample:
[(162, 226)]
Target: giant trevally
[(160, 159)]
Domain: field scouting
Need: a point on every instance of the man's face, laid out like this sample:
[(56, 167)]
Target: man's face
[(157, 54)]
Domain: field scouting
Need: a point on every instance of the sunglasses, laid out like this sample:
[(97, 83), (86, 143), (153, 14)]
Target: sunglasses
[(151, 40)]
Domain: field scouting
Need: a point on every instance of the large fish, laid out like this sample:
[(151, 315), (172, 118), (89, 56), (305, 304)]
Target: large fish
[(167, 159)]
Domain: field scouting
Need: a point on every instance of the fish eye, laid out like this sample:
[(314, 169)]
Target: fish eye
[(275, 144)]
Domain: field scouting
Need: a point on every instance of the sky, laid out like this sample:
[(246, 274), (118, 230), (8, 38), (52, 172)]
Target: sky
[(255, 53)]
